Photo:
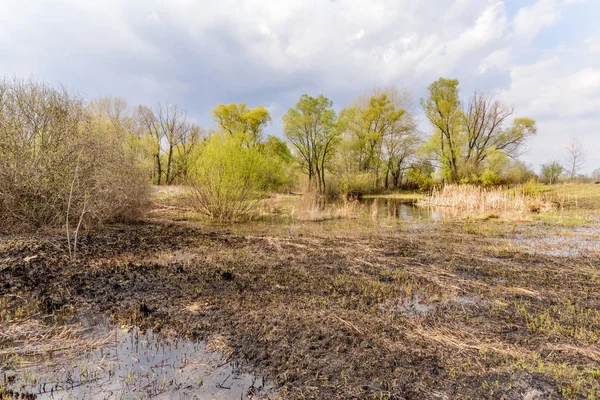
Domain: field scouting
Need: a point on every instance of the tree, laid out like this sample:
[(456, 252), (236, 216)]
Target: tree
[(401, 142), (483, 122), (596, 175), (517, 172), (466, 139), (168, 126), (575, 156), (192, 138), (125, 121), (173, 122), (310, 128), (551, 172), (239, 119), (442, 109), (153, 129), (379, 136)]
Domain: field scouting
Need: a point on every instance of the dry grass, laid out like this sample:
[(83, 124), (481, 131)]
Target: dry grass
[(472, 199), (24, 341), (314, 207)]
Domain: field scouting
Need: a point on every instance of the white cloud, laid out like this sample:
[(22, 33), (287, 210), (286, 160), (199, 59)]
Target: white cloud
[(529, 21), (562, 92)]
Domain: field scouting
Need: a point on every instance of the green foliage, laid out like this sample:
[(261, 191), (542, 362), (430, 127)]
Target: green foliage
[(467, 143), (518, 172), (489, 178), (229, 178), (442, 108), (420, 175), (379, 140), (239, 119), (312, 130), (551, 172), (363, 183)]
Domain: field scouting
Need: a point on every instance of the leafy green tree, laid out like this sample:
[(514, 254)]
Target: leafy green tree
[(239, 119), (192, 138), (465, 141), (311, 128), (518, 172), (442, 109), (420, 175), (287, 177), (551, 172), (379, 139)]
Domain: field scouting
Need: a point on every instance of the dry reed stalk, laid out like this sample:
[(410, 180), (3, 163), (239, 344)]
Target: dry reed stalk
[(480, 200), (33, 338)]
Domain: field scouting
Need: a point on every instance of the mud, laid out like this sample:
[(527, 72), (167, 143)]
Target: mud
[(465, 315)]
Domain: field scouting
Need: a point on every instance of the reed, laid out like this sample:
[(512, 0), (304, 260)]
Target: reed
[(314, 207), (473, 199)]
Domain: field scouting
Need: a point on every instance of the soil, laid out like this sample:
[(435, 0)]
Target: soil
[(439, 312)]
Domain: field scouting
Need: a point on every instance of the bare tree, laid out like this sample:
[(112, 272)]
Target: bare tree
[(576, 156), (173, 123), (483, 121), (596, 175), (150, 123)]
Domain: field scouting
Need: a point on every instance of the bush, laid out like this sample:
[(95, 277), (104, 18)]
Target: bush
[(230, 177), (61, 164), (357, 183)]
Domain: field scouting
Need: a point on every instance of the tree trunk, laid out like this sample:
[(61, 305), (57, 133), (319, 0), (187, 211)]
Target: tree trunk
[(169, 159), (158, 169)]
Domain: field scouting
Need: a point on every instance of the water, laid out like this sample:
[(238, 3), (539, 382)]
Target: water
[(140, 364), (387, 207)]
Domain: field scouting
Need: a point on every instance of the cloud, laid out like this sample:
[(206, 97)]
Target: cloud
[(529, 21), (200, 53), (564, 97)]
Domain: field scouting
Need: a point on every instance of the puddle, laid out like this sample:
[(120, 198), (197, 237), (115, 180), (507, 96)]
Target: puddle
[(135, 365), (576, 243), (407, 210), (409, 306), (416, 305)]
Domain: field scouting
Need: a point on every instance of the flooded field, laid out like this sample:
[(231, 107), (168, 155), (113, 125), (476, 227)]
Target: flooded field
[(379, 300)]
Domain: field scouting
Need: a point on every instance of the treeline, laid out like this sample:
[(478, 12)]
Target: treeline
[(68, 161), (374, 144)]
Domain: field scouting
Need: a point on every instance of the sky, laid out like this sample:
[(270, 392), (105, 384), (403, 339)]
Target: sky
[(540, 56)]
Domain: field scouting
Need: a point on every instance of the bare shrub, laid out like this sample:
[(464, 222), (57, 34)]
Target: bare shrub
[(60, 163)]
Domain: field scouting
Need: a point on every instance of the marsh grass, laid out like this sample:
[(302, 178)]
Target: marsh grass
[(314, 207), (477, 200)]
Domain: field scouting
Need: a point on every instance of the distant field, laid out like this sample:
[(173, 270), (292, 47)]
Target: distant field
[(583, 196)]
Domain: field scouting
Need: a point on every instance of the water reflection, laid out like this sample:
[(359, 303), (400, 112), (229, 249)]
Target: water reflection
[(139, 364), (383, 207)]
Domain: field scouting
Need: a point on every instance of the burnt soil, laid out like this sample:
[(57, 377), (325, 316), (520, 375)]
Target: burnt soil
[(412, 313)]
